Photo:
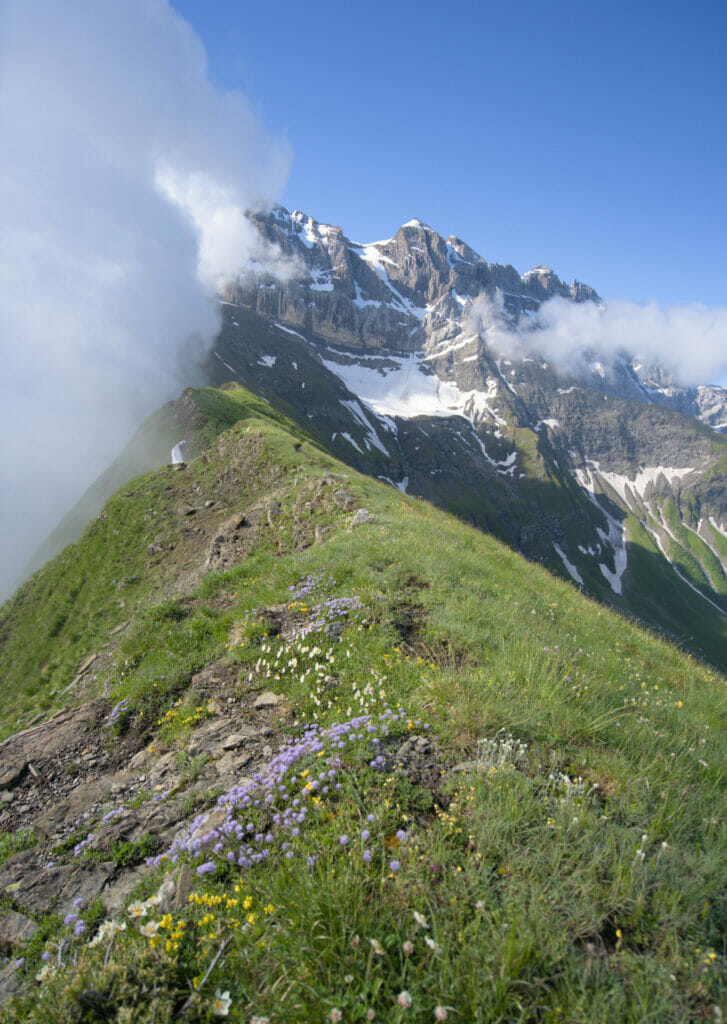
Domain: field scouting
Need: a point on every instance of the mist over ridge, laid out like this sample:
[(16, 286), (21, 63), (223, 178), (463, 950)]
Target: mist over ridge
[(125, 187), (124, 179), (689, 340)]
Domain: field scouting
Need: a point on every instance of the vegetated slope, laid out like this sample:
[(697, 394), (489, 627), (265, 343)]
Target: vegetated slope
[(149, 540), (599, 481), (410, 774), (418, 362), (415, 360)]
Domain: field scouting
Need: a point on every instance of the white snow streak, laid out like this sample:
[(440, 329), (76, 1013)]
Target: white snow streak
[(569, 565)]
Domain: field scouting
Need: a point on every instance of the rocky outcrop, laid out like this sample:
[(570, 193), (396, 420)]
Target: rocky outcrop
[(98, 804)]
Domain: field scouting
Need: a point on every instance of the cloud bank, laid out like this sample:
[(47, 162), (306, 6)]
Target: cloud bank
[(691, 341), (124, 177)]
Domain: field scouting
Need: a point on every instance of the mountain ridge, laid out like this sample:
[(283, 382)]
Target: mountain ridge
[(378, 349), (605, 471), (295, 745)]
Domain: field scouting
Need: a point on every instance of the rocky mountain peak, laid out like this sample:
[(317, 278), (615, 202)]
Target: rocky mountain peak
[(407, 384)]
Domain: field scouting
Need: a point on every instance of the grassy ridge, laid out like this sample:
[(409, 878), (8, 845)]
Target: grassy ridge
[(70, 608), (573, 872)]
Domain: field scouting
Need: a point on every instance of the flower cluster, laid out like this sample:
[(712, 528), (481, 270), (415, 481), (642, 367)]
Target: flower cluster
[(501, 751), (266, 816), (333, 610), (107, 930), (327, 610), (116, 712), (221, 914), (314, 583), (178, 715), (299, 660)]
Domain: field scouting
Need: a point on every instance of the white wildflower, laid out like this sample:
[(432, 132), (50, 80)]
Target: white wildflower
[(46, 971), (221, 1004)]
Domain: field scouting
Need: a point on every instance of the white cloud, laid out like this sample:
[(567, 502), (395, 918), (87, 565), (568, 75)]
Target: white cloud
[(689, 340), (124, 177)]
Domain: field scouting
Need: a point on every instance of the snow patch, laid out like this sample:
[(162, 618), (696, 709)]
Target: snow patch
[(227, 365), (350, 441), (569, 565), (289, 330), (360, 416), (647, 475), (615, 538), (321, 280), (267, 360)]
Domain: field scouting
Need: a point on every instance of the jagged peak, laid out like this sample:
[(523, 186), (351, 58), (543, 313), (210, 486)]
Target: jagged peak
[(418, 224), (539, 271)]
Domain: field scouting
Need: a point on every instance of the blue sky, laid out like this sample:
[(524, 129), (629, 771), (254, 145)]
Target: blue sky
[(588, 137)]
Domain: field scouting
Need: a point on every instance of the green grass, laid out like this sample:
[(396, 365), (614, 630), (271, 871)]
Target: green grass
[(576, 875), (695, 558)]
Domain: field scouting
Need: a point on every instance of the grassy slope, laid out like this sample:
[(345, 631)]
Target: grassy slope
[(546, 898), (69, 609)]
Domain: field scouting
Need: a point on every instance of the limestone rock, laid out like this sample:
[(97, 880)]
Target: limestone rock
[(237, 739), (344, 500), (15, 930), (39, 887), (268, 699), (362, 516)]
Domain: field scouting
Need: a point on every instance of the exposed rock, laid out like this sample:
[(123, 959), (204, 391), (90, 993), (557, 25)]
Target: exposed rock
[(60, 732), (214, 677), (362, 516), (184, 886), (38, 887), (208, 737), (273, 512), (10, 774), (9, 981), (417, 758), (165, 894), (236, 739), (116, 894), (233, 540), (268, 699), (230, 768), (84, 666), (467, 766), (15, 930), (344, 500), (79, 799)]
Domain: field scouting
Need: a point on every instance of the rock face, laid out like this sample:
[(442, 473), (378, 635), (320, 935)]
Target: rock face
[(608, 472), (391, 294)]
